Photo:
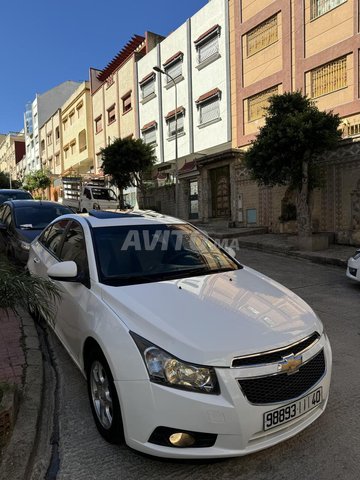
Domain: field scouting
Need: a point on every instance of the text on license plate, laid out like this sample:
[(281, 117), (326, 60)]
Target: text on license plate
[(285, 414)]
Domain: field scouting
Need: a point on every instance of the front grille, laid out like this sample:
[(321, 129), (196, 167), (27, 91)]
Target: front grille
[(276, 355), (281, 387)]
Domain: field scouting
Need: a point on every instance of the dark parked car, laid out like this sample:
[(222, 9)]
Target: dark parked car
[(23, 220), (14, 194)]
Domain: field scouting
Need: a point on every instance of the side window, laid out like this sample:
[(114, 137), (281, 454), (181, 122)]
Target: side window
[(74, 247), (7, 216), (2, 209), (51, 238), (87, 193)]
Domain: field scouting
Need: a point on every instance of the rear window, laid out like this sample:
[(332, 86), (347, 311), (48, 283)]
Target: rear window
[(36, 217), (4, 196)]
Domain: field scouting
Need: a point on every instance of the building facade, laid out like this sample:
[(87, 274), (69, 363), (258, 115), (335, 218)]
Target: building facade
[(12, 151), (307, 45), (36, 114), (197, 57)]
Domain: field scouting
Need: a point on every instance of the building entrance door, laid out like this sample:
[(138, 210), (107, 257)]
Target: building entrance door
[(220, 191)]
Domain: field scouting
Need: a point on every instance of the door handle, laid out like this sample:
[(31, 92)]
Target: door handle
[(36, 260)]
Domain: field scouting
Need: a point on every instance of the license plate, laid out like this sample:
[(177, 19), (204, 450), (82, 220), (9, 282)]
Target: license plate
[(289, 412)]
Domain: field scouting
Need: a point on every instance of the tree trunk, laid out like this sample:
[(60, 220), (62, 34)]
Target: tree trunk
[(303, 205)]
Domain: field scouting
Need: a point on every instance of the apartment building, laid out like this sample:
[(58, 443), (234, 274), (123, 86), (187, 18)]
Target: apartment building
[(196, 55), (51, 152), (12, 151), (307, 45), (37, 112)]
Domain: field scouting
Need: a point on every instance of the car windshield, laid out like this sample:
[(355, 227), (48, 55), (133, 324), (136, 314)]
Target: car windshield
[(4, 196), (37, 217), (149, 253), (103, 194)]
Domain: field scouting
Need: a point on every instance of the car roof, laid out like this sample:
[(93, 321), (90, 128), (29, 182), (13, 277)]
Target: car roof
[(13, 190), (29, 203), (106, 218)]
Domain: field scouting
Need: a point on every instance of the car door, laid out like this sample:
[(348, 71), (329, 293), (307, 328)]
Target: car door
[(8, 240), (72, 321)]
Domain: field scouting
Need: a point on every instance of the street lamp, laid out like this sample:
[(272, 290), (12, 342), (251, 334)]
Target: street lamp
[(163, 72)]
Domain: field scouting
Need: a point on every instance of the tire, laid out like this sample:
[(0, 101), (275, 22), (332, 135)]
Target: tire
[(103, 398)]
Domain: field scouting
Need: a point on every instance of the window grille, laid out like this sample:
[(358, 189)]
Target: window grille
[(149, 136), (147, 88), (209, 110), (328, 78), (262, 36), (175, 70), (180, 125), (208, 48), (319, 7), (259, 102)]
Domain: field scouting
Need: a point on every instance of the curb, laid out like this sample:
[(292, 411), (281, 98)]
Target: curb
[(18, 455), (312, 257)]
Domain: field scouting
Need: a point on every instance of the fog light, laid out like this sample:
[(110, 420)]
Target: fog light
[(181, 439)]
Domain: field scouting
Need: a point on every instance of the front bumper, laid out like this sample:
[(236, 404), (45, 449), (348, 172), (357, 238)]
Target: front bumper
[(237, 423)]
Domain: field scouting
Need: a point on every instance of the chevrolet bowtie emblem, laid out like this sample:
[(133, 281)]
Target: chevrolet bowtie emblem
[(290, 364)]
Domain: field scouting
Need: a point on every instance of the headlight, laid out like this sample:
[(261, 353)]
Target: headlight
[(168, 370), (25, 245), (357, 255)]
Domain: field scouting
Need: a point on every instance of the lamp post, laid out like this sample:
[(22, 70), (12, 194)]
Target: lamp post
[(163, 72)]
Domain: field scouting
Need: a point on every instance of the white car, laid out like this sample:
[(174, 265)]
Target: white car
[(353, 267), (186, 352)]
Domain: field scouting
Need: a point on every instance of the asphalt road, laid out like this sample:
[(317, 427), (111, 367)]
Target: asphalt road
[(329, 449)]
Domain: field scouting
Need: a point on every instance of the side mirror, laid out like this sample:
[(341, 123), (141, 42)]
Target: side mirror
[(64, 272)]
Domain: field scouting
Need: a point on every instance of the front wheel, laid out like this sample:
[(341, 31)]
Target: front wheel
[(103, 398)]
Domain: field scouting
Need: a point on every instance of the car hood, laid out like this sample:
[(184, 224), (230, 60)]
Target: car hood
[(211, 319)]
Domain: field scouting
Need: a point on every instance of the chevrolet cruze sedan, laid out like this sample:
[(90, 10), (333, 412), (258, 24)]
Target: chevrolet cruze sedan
[(187, 353)]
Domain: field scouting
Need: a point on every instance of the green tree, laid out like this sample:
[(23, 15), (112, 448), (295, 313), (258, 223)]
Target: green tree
[(5, 181), (39, 180), (288, 146), (128, 161)]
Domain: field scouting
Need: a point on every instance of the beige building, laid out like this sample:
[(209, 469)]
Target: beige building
[(307, 45), (12, 151), (114, 94), (76, 133)]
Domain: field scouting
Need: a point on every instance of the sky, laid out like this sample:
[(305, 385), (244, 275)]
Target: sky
[(44, 43)]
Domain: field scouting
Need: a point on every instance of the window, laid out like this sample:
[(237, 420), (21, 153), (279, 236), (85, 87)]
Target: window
[(111, 114), (82, 140), (147, 86), (72, 146), (207, 45), (57, 134), (149, 133), (170, 120), (209, 107), (42, 145), (126, 102), (49, 138), (262, 36), (51, 237), (173, 67), (87, 193), (66, 151), (319, 7), (98, 124), (74, 247), (328, 78), (71, 117), (65, 123), (57, 159), (258, 102), (79, 108)]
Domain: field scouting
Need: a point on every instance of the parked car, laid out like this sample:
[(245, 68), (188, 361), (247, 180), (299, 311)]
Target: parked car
[(14, 194), (353, 266), (187, 353), (21, 221)]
